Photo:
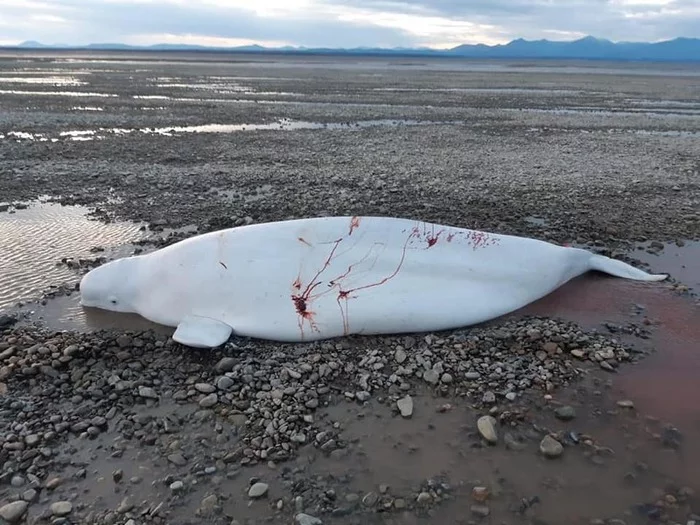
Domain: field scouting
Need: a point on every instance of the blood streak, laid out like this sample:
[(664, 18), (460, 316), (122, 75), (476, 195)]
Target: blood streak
[(301, 300), (304, 241), (433, 239), (354, 223)]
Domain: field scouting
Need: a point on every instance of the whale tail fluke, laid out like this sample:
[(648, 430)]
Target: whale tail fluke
[(622, 269)]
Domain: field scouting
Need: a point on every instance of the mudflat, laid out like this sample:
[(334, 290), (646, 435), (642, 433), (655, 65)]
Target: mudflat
[(579, 409)]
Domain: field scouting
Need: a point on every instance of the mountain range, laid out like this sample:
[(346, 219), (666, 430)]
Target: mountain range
[(678, 49)]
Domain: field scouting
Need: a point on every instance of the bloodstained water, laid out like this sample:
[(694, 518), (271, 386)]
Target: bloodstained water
[(665, 384)]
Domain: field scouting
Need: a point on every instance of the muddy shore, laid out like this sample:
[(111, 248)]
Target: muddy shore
[(579, 409)]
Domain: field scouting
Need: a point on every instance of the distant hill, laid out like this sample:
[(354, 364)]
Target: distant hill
[(678, 49)]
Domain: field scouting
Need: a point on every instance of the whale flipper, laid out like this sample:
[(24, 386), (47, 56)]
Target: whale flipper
[(201, 332)]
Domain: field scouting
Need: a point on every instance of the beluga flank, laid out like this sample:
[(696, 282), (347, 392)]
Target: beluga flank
[(319, 278)]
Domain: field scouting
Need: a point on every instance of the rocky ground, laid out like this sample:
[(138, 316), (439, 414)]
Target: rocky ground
[(518, 421)]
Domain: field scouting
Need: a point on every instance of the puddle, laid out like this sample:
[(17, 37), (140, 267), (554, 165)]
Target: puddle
[(35, 239), (56, 93), (51, 81), (281, 125), (682, 262)]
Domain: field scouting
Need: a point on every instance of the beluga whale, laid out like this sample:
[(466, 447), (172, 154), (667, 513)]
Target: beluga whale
[(319, 278)]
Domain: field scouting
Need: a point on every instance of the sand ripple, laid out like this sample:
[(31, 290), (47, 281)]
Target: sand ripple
[(34, 240)]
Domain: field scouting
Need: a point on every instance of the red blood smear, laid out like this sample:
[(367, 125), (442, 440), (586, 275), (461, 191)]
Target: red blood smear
[(665, 384)]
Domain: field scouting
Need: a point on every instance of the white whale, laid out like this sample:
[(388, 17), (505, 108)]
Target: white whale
[(320, 278)]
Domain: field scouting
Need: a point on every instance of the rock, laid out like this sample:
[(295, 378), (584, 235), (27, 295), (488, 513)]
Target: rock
[(480, 494), (53, 483), (550, 447), (176, 486), (226, 364), (13, 512), (258, 490), (489, 398), (578, 354), (208, 505), (306, 519), (487, 428), (209, 401), (204, 388), (61, 508), (7, 321), (424, 498), (565, 413), (400, 355), (625, 403), (147, 392), (405, 406), (480, 510), (224, 383), (431, 376), (177, 459)]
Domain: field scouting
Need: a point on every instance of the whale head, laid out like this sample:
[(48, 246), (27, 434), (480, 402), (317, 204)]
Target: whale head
[(111, 286)]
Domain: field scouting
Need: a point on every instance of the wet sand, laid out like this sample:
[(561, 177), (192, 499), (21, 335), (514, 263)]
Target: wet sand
[(600, 155)]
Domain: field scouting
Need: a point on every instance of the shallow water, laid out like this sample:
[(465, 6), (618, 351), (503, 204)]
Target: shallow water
[(280, 125), (34, 240)]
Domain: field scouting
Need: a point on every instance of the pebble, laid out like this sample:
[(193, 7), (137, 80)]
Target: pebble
[(405, 406), (487, 428), (565, 413), (480, 494), (61, 508), (205, 388), (209, 401), (550, 447), (147, 392), (306, 519), (13, 512), (176, 486), (258, 490), (424, 498), (431, 376), (625, 403), (480, 510)]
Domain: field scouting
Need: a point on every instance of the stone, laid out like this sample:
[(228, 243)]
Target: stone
[(424, 498), (208, 505), (176, 486), (550, 447), (306, 519), (258, 490), (565, 413), (480, 494), (487, 428), (480, 510), (400, 355), (405, 406), (431, 376), (61, 508), (209, 401), (625, 403), (13, 512), (147, 392), (489, 398)]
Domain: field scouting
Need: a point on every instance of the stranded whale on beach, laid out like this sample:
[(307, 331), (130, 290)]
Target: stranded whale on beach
[(320, 278)]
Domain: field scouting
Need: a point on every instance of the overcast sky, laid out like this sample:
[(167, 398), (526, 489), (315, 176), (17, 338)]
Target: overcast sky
[(343, 23)]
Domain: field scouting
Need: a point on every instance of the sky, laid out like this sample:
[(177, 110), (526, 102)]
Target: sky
[(343, 23)]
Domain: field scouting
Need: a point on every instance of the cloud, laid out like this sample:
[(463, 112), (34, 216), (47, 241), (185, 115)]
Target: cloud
[(341, 23)]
